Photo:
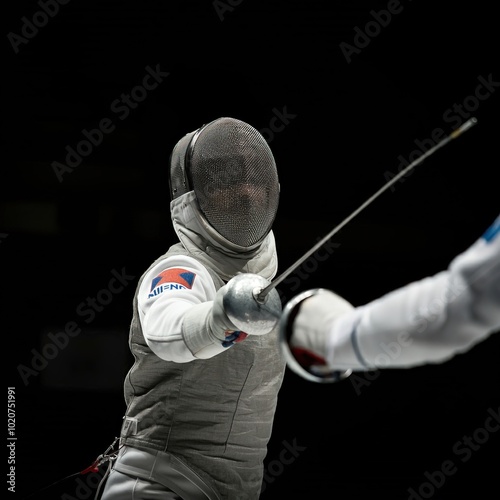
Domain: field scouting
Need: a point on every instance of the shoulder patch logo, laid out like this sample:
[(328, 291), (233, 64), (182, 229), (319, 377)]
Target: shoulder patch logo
[(174, 278)]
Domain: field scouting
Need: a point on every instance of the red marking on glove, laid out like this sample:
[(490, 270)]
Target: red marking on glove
[(241, 336), (307, 358)]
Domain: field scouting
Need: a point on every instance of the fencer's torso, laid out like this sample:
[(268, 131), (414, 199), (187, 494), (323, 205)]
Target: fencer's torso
[(214, 415)]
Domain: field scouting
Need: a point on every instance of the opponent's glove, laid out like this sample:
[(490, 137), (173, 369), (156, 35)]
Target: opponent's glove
[(209, 328), (305, 331)]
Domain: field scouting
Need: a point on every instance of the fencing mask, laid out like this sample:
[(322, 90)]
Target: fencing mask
[(231, 170)]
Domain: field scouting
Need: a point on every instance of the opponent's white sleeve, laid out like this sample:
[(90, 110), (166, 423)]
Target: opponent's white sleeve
[(168, 291), (427, 321)]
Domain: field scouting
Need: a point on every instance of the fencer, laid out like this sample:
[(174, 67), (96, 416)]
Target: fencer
[(202, 393)]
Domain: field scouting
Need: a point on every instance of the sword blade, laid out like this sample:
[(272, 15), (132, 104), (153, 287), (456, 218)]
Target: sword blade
[(453, 135)]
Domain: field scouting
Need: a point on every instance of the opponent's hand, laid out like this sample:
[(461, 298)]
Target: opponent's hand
[(306, 330)]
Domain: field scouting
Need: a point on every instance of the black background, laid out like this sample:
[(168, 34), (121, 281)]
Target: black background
[(341, 129)]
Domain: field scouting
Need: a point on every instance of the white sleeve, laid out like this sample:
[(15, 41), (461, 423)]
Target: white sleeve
[(169, 289), (427, 321)]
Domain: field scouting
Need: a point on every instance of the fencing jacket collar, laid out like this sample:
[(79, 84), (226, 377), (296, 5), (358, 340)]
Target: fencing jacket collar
[(197, 241)]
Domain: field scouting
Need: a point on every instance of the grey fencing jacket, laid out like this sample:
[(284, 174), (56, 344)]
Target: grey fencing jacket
[(212, 416)]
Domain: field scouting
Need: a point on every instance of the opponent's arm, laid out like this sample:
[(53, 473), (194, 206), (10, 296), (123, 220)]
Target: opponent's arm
[(427, 321)]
